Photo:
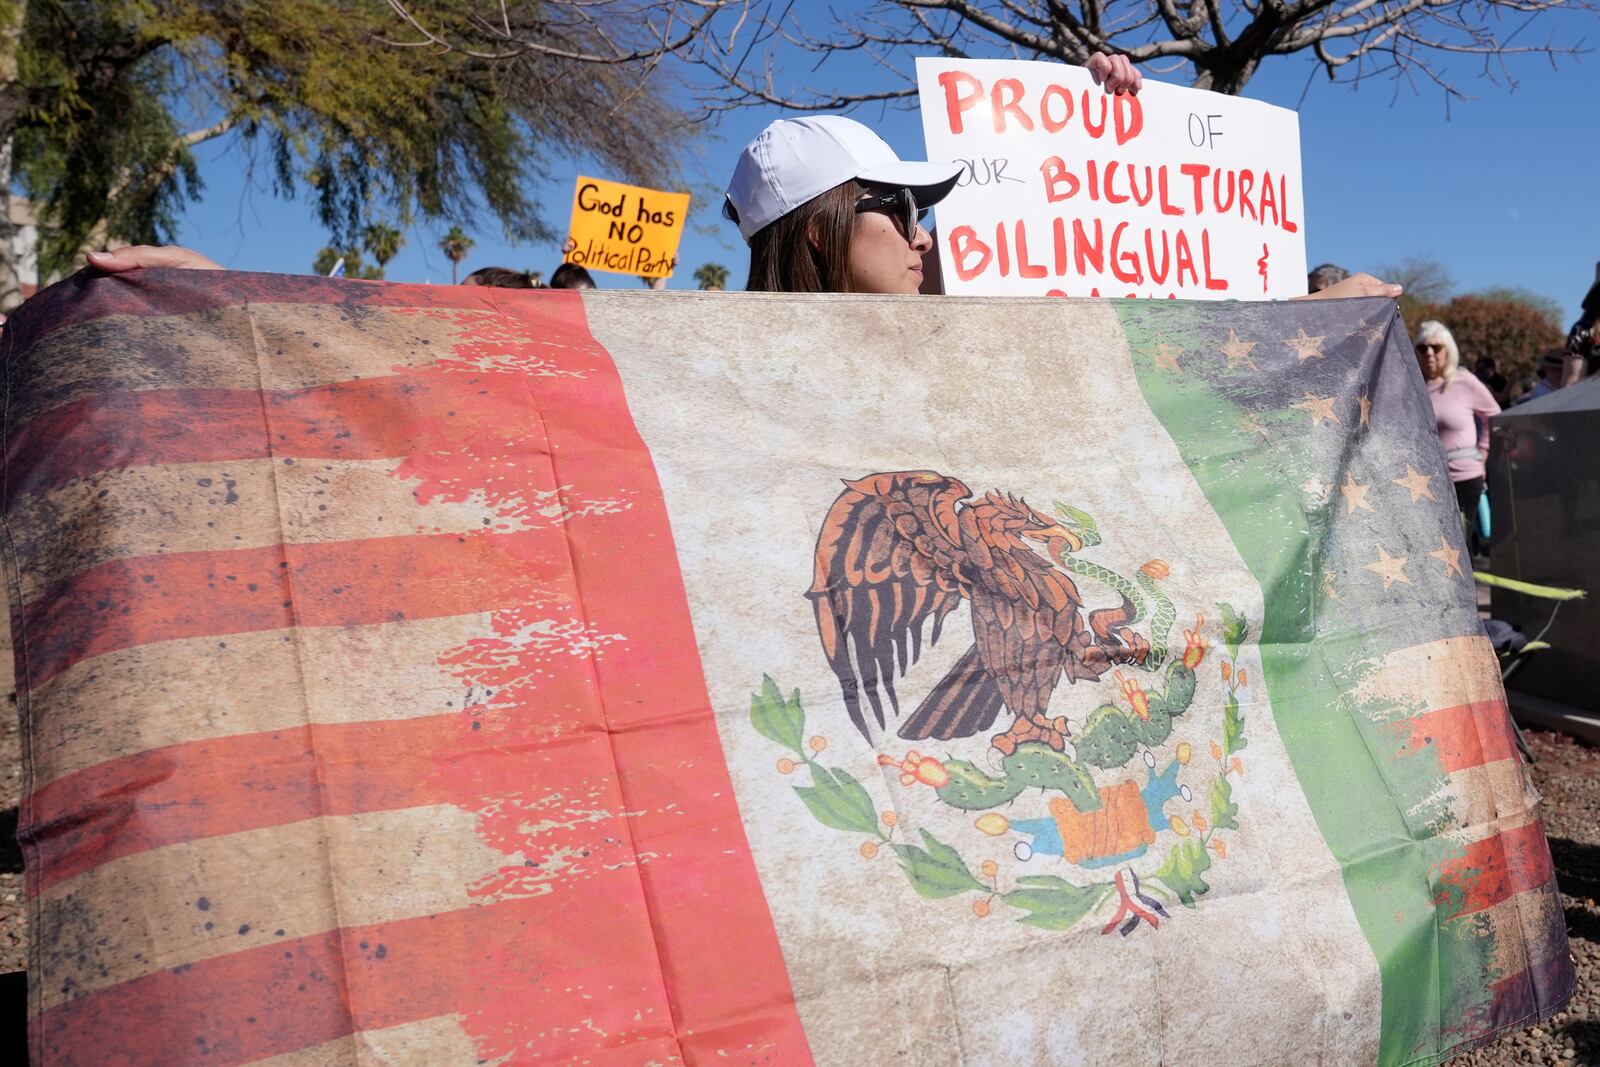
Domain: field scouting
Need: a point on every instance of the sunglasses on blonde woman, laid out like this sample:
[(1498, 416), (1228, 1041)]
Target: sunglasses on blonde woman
[(900, 205)]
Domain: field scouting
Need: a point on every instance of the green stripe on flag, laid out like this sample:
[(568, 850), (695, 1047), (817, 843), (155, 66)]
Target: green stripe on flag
[(1372, 808)]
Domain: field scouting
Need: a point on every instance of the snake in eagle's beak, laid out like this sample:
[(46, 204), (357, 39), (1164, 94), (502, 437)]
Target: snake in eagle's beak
[(1057, 539)]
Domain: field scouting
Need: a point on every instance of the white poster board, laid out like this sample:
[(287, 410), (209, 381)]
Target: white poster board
[(1066, 191)]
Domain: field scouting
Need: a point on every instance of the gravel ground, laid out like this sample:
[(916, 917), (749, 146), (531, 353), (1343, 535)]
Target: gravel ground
[(1568, 774)]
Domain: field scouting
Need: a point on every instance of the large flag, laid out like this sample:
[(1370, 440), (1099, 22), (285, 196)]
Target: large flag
[(453, 676)]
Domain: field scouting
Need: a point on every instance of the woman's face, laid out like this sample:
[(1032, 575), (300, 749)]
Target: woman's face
[(1431, 358), (882, 260)]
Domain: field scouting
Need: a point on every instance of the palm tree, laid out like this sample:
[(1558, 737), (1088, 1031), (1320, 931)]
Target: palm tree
[(455, 245), (329, 257), (382, 242), (326, 258), (711, 276)]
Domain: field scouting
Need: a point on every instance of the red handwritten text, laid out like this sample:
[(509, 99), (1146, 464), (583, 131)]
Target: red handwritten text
[(1150, 255), (1261, 198), (1051, 113)]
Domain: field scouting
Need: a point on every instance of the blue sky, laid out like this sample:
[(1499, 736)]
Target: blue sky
[(1504, 190)]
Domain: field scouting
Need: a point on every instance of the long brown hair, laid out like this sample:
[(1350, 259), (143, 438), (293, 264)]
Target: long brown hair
[(807, 250)]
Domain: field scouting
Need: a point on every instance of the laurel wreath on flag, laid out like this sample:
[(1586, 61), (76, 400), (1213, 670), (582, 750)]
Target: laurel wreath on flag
[(936, 870)]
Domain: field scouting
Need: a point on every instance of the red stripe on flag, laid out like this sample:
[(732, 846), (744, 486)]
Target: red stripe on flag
[(717, 947), (719, 952), (369, 418), (132, 602), (231, 784), (1467, 735), (583, 954), (1494, 869)]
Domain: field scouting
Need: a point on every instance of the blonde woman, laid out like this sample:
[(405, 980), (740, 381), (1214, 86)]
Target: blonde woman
[(1462, 407)]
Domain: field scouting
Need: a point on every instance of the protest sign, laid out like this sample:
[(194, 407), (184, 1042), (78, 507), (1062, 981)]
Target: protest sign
[(1067, 191), (522, 677), (627, 229)]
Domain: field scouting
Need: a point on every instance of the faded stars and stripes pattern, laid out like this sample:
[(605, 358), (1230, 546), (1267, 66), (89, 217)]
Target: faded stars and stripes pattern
[(425, 676), (323, 767)]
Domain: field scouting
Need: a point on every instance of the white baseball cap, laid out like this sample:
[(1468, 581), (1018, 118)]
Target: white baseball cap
[(794, 160)]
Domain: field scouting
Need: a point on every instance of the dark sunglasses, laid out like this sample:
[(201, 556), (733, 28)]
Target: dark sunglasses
[(900, 204), (1430, 346)]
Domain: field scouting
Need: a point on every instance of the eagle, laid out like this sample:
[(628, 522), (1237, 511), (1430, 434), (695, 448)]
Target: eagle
[(902, 548)]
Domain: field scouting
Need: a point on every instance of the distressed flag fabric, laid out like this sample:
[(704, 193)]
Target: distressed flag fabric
[(431, 675)]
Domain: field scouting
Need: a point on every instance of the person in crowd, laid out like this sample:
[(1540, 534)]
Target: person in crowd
[(828, 207), (1488, 373), (1552, 368), (1325, 277), (571, 276), (1462, 407), (1583, 341), (500, 278)]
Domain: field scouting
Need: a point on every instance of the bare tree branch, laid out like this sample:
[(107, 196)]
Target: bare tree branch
[(100, 235), (1223, 41), (552, 25), (763, 51)]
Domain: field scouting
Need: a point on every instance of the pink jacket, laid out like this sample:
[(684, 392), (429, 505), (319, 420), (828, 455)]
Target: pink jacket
[(1462, 410)]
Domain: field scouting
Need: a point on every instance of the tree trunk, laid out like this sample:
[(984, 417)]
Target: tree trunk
[(100, 237), (1225, 78)]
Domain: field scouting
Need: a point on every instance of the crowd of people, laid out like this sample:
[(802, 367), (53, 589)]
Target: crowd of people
[(566, 276)]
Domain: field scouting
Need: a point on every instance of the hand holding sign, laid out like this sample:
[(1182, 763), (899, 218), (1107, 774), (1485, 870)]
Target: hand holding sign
[(625, 228), (1116, 73)]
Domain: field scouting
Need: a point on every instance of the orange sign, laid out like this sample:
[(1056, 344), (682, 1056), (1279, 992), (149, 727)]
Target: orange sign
[(625, 228)]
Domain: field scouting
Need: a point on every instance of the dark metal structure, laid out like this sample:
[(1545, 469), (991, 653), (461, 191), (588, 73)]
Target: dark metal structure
[(1544, 493)]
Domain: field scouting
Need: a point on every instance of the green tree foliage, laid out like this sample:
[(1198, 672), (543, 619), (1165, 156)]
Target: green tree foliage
[(1509, 325), (328, 258), (1544, 305), (382, 242), (1512, 328), (103, 103), (91, 140), (455, 244), (711, 276)]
